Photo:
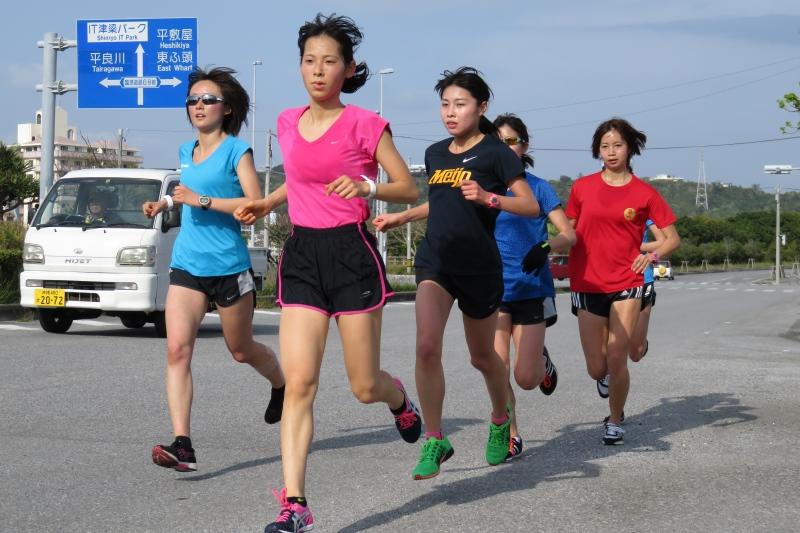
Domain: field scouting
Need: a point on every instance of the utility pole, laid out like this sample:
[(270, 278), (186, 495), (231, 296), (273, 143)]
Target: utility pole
[(267, 179), (778, 169), (778, 234), (119, 149), (50, 87)]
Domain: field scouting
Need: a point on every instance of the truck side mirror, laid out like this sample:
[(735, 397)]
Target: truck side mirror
[(171, 218)]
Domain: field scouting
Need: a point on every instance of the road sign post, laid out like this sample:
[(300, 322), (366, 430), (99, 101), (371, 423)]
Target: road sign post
[(135, 63)]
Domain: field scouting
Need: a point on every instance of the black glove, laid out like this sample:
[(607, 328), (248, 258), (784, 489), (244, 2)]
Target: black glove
[(536, 258)]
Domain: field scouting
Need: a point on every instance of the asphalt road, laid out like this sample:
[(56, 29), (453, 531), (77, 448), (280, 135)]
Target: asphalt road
[(711, 443)]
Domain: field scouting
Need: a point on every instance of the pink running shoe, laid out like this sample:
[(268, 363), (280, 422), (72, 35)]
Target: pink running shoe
[(292, 518), (408, 421)]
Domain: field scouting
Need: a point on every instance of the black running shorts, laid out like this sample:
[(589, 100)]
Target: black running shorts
[(224, 291), (478, 295), (334, 271), (599, 303), (531, 311)]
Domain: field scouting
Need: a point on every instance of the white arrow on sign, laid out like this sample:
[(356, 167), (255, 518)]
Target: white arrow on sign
[(173, 81), (109, 83), (139, 73)]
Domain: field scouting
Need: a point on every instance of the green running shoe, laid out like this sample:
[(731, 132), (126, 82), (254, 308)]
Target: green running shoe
[(499, 440), (434, 453)]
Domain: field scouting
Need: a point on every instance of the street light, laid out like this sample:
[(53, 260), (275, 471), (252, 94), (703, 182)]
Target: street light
[(778, 169), (256, 63), (380, 207)]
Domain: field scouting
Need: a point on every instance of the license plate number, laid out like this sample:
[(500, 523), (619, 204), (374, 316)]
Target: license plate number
[(49, 297)]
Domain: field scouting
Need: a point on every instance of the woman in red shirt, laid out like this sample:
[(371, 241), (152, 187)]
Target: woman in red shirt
[(609, 210)]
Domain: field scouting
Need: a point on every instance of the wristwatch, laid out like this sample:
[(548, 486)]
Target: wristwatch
[(204, 201), (493, 201)]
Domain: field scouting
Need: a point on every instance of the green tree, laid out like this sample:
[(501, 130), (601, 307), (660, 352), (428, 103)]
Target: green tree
[(790, 102), (15, 184)]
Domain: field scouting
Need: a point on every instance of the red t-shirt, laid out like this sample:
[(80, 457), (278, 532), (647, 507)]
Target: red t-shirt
[(610, 224)]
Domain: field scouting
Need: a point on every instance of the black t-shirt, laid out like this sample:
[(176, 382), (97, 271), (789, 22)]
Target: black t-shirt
[(460, 234)]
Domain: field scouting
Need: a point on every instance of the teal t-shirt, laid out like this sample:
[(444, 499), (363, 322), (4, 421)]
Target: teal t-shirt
[(210, 243)]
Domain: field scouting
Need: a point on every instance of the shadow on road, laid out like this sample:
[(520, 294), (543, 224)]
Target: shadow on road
[(356, 437), (571, 453), (206, 331)]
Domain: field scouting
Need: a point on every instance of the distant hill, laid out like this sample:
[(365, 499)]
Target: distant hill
[(723, 200)]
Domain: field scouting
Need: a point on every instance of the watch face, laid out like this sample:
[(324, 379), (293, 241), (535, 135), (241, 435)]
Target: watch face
[(203, 200), (493, 200)]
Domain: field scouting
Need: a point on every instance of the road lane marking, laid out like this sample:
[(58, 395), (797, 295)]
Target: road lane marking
[(14, 327), (95, 323)]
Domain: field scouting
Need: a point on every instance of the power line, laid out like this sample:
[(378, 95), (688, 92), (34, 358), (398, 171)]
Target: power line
[(643, 91)]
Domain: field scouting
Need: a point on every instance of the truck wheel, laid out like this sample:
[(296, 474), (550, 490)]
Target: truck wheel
[(134, 321), (160, 323), (54, 320)]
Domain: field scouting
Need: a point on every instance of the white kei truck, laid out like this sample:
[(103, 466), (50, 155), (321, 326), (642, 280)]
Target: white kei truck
[(78, 264)]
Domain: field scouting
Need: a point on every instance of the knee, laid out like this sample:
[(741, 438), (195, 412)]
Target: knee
[(527, 380), (617, 363), (178, 353), (597, 371), (241, 356), (299, 389), (365, 392), (429, 353), (636, 353), (483, 361)]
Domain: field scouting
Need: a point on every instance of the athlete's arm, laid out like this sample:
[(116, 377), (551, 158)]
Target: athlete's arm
[(246, 172), (658, 239), (252, 210), (388, 221), (670, 243), (566, 233), (522, 203), (401, 187)]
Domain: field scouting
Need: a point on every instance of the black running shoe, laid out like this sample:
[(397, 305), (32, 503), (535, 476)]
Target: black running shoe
[(275, 406), (602, 387), (175, 456), (548, 384), (408, 421), (621, 419), (514, 447)]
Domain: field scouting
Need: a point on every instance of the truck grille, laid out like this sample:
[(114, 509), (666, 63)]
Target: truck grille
[(79, 285), (82, 297)]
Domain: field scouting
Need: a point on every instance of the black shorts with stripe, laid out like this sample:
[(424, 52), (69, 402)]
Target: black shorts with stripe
[(599, 303), (531, 311), (649, 295), (333, 270), (224, 291)]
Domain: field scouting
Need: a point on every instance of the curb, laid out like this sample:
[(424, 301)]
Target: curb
[(12, 311)]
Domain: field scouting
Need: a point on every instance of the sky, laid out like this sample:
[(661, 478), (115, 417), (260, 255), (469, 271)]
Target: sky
[(688, 73)]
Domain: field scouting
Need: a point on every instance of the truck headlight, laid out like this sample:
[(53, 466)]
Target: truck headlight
[(32, 253), (137, 256)]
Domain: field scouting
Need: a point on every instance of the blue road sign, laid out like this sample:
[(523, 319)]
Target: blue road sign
[(135, 63)]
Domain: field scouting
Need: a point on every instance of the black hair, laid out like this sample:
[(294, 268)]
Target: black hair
[(515, 123), (470, 79), (634, 138), (235, 97), (344, 31)]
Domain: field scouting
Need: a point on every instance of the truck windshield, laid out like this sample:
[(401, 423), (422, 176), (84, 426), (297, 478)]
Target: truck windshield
[(98, 202)]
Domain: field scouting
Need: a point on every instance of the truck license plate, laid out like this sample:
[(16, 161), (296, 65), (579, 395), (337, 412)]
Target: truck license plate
[(49, 297)]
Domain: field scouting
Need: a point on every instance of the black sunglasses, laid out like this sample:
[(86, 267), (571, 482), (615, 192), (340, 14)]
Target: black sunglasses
[(207, 99)]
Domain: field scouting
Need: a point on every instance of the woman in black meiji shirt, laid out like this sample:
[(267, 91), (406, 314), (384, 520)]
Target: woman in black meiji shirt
[(468, 175)]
